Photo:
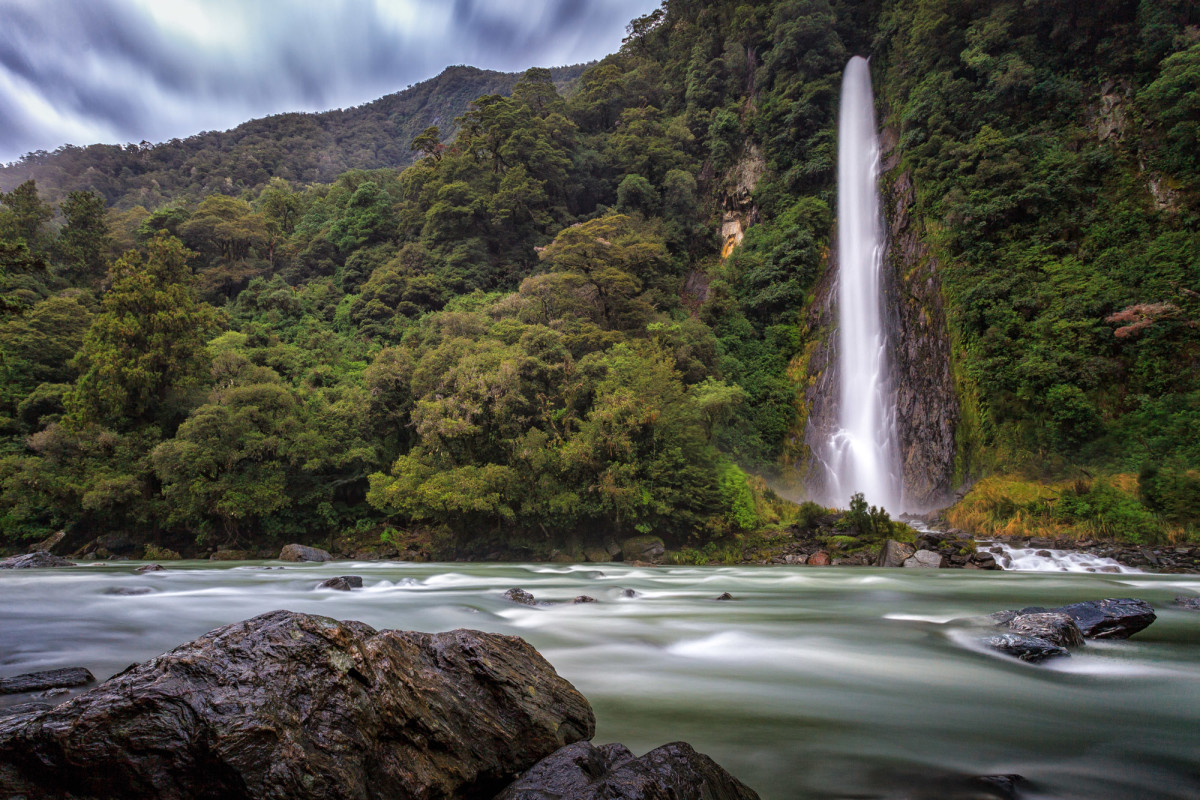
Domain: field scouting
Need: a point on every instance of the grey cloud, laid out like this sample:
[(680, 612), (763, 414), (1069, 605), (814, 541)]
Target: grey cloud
[(81, 71)]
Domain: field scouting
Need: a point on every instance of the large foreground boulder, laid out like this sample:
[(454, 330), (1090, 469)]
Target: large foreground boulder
[(36, 560), (583, 771), (1026, 648), (301, 706)]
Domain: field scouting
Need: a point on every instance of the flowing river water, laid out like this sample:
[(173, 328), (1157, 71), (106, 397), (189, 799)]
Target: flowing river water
[(810, 683)]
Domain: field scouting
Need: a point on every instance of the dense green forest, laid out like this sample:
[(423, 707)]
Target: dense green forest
[(531, 335)]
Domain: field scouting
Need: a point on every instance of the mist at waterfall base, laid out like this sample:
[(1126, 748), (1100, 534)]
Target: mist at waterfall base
[(811, 683), (861, 455)]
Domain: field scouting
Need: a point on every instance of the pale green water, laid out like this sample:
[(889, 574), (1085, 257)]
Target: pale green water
[(812, 683)]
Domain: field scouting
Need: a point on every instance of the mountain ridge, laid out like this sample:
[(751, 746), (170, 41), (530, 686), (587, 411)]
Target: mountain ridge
[(300, 147)]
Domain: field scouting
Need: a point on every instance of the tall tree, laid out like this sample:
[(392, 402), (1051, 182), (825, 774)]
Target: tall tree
[(147, 341)]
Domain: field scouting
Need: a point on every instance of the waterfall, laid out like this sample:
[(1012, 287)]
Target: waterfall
[(861, 455)]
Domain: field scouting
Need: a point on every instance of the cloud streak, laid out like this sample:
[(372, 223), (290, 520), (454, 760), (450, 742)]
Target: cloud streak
[(84, 71)]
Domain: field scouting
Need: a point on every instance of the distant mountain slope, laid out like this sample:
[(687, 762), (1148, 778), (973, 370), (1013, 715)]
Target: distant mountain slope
[(305, 148)]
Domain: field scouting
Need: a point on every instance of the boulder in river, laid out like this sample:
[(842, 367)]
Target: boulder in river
[(48, 679), (521, 596), (1026, 648), (582, 771), (894, 554), (1111, 618), (583, 598), (151, 568), (300, 552), (1053, 626), (37, 560), (1191, 603), (303, 707), (342, 583)]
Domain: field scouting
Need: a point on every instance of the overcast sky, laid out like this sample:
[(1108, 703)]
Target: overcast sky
[(86, 71)]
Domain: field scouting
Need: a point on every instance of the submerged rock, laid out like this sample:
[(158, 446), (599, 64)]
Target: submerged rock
[(1191, 603), (1111, 618), (1026, 648), (724, 596), (49, 679), (583, 771), (520, 596), (301, 706), (151, 568), (583, 598), (342, 583), (300, 552), (1053, 626), (36, 560)]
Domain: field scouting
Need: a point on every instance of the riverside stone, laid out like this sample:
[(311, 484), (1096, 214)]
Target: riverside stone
[(583, 771), (36, 560), (303, 707), (48, 679), (643, 548), (925, 559), (894, 554), (300, 552)]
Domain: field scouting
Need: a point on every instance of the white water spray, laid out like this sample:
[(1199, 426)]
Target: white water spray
[(862, 454)]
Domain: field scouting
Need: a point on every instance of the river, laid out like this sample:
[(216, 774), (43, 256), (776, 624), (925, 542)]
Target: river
[(810, 683)]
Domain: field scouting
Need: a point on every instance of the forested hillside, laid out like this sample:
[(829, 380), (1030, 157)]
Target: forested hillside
[(299, 148), (549, 329)]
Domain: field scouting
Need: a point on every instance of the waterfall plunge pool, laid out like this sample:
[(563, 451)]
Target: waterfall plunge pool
[(811, 683)]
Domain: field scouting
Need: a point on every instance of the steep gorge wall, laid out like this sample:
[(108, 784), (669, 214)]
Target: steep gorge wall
[(927, 408)]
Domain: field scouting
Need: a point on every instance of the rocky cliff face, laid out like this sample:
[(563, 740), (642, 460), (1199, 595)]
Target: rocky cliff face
[(927, 410)]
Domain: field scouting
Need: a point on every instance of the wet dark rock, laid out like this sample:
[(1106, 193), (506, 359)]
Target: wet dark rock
[(520, 596), (299, 552), (629, 593), (1111, 618), (583, 771), (49, 679), (583, 598), (1053, 626), (725, 596), (38, 560), (342, 583), (24, 708), (1192, 603), (151, 568), (1026, 648), (129, 591), (303, 707), (1008, 615)]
